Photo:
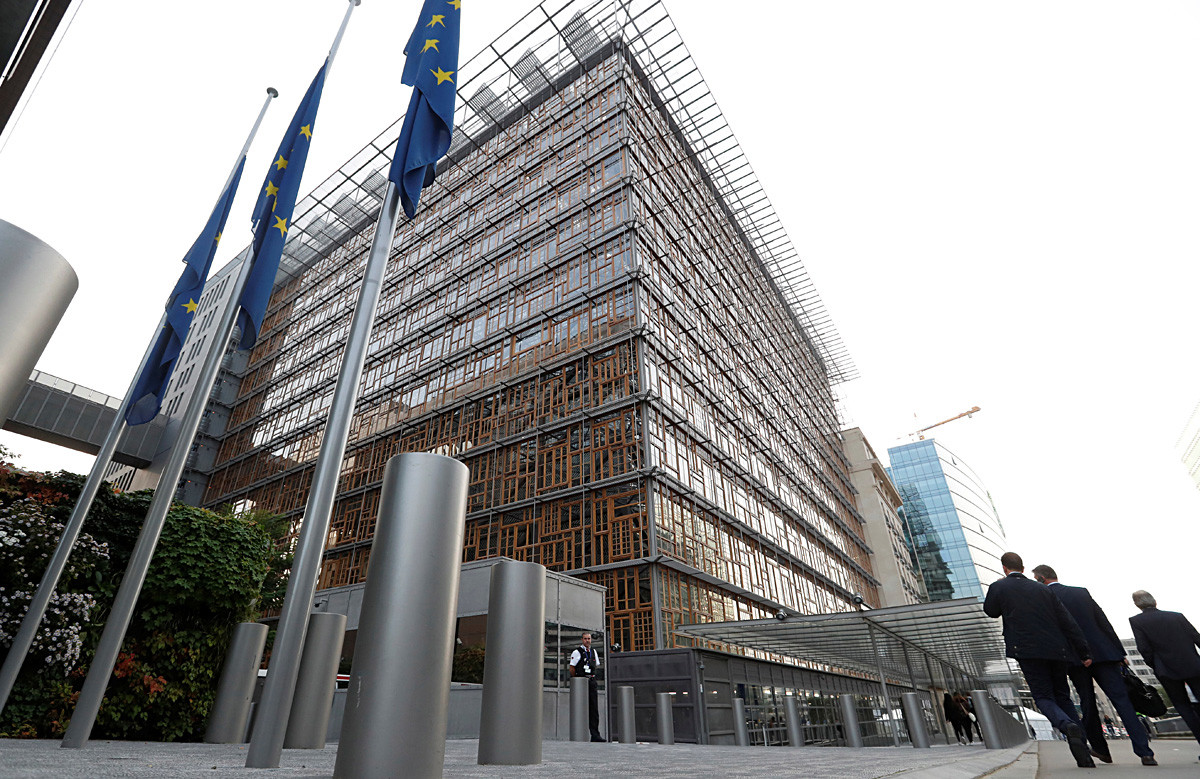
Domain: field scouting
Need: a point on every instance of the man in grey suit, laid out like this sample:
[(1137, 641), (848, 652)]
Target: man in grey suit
[(1168, 644)]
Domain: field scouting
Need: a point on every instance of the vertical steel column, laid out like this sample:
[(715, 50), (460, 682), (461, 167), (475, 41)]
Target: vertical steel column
[(915, 714), (666, 718), (625, 723), (316, 680), (38, 286), (741, 733), (579, 709), (231, 709), (399, 693), (850, 720), (510, 724), (794, 729), (933, 698), (887, 699)]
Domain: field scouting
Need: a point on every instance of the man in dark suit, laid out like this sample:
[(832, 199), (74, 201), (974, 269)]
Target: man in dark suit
[(1168, 644), (1040, 634), (1105, 670)]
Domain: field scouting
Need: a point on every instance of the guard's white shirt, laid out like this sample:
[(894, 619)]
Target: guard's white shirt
[(577, 657)]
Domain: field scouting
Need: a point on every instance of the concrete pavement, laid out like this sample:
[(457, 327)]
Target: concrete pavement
[(1176, 759), (46, 760)]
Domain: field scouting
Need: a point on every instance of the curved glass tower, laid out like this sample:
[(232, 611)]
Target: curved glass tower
[(955, 532)]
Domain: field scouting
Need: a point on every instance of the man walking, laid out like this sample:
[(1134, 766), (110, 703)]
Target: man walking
[(1105, 670), (1041, 636), (1168, 644), (584, 662)]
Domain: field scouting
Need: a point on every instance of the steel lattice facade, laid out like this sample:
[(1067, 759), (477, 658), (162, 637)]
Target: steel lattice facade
[(587, 315)]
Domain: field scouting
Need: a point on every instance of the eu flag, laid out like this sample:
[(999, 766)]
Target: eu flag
[(151, 384), (273, 212), (432, 61)]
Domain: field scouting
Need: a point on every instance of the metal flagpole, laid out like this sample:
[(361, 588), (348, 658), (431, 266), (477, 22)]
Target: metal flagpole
[(139, 563), (271, 719)]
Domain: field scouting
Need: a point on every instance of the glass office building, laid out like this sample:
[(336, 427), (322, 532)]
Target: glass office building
[(601, 316), (954, 529)]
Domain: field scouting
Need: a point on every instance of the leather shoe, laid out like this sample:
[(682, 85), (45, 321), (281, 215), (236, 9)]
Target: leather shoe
[(1079, 747), (1149, 760), (1103, 757)]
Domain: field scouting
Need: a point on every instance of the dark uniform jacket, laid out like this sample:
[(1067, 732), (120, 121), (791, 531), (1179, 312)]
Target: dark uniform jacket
[(1036, 624), (1168, 643), (1102, 640)]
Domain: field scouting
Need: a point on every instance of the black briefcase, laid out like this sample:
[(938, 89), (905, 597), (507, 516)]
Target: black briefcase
[(1145, 698)]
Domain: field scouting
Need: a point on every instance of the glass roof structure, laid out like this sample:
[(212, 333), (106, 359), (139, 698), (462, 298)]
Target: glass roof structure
[(899, 642)]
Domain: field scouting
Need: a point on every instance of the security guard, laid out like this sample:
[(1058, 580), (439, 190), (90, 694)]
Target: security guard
[(584, 662)]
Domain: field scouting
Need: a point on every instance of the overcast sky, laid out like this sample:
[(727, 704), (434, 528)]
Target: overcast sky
[(998, 203)]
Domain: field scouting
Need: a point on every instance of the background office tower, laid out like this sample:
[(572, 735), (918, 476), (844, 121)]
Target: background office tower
[(601, 316), (1189, 446), (892, 559), (956, 533)]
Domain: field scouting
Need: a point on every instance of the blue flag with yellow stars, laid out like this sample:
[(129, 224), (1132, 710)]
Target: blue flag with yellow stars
[(430, 67), (273, 212), (151, 384)]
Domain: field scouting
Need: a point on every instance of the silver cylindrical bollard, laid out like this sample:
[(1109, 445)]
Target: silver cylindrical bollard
[(579, 709), (741, 732), (850, 721), (510, 722), (399, 694), (231, 708), (666, 717), (986, 719), (315, 682), (38, 287), (626, 727), (915, 717), (794, 728)]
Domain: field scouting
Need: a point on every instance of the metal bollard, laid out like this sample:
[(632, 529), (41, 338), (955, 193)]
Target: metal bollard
[(510, 722), (917, 733), (987, 720), (625, 725), (38, 286), (795, 731), (399, 692), (231, 709), (741, 733), (666, 718), (579, 709), (316, 680), (850, 721)]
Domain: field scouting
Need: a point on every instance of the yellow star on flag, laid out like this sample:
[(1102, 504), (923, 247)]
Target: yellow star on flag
[(218, 238), (437, 19), (456, 3), (281, 225), (306, 131), (443, 75), (280, 163), (272, 189), (191, 306), (430, 44)]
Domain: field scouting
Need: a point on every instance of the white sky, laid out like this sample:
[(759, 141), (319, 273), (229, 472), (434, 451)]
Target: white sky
[(998, 203)]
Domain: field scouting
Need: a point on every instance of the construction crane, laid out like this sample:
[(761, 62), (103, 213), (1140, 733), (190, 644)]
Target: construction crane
[(967, 413)]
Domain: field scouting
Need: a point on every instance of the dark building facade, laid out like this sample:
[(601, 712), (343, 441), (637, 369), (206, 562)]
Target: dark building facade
[(596, 313)]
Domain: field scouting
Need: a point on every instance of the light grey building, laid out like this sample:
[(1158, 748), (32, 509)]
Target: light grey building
[(892, 560)]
